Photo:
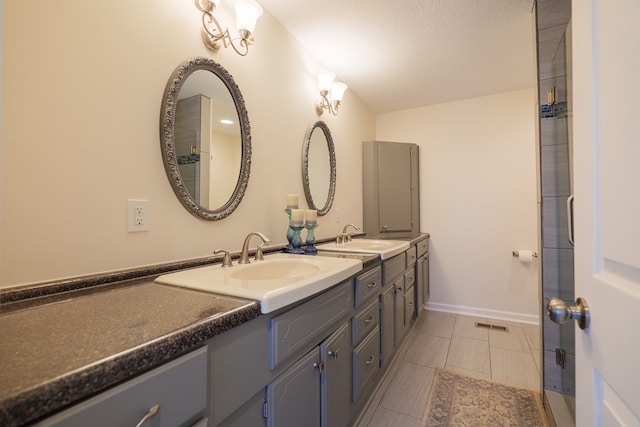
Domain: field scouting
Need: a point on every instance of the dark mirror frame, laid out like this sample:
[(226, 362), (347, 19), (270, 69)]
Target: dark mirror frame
[(332, 168), (167, 137)]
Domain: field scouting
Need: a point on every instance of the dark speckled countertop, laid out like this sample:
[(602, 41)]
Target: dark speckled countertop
[(56, 353)]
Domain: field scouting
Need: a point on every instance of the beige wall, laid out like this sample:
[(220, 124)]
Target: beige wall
[(478, 200), (82, 84)]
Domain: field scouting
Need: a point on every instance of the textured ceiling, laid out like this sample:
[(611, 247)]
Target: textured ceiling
[(402, 54)]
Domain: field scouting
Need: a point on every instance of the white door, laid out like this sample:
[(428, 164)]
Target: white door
[(606, 73)]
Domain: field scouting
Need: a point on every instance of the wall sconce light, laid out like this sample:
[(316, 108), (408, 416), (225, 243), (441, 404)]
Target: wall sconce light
[(213, 36), (331, 93)]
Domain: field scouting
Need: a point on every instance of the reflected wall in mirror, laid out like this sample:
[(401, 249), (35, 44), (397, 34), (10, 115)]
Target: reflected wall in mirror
[(319, 168), (205, 138)]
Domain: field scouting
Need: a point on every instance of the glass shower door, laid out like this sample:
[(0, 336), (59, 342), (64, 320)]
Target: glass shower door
[(554, 83)]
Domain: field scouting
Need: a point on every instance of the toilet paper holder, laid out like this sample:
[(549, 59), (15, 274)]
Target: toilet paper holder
[(516, 254)]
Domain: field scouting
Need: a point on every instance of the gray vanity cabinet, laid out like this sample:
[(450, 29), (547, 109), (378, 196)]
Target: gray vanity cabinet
[(422, 275), (399, 305), (293, 399), (391, 194), (316, 389), (336, 378), (178, 388), (387, 334)]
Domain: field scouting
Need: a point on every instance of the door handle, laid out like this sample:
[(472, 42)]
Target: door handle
[(559, 312), (570, 220)]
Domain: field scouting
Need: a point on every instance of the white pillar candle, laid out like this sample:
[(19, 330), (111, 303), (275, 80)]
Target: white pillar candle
[(292, 201), (297, 216), (311, 216)]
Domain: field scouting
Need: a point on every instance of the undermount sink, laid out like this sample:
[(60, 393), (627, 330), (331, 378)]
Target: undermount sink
[(384, 248), (277, 281)]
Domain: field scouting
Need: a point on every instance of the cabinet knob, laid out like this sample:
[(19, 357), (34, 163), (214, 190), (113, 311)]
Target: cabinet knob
[(371, 359), (368, 319), (333, 354), (152, 411), (320, 366), (371, 285)]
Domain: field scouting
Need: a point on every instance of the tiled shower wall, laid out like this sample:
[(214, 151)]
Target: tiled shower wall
[(555, 166)]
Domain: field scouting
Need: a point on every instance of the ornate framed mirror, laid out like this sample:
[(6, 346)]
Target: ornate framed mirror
[(319, 168), (205, 138)]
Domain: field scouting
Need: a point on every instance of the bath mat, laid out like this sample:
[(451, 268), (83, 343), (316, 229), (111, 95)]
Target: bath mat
[(456, 400)]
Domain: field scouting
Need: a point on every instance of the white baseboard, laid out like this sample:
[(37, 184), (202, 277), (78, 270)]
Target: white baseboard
[(483, 312)]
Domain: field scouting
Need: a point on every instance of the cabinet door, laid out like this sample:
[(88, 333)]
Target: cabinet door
[(409, 308), (293, 399), (419, 286), (335, 352), (395, 189), (398, 302), (387, 334), (425, 280)]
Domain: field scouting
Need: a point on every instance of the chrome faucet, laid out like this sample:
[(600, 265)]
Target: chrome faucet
[(244, 255), (345, 236)]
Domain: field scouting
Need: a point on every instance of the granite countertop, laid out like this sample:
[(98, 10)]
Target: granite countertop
[(57, 353)]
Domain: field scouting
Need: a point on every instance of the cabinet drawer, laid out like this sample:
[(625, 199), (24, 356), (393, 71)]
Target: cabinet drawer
[(409, 278), (368, 284), (422, 247), (393, 268), (178, 387), (365, 320), (411, 256), (302, 327), (409, 305), (366, 360)]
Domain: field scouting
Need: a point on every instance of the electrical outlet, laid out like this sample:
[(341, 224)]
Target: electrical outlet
[(138, 215)]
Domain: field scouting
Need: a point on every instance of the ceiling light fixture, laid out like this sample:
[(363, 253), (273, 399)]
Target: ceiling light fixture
[(331, 93), (213, 36)]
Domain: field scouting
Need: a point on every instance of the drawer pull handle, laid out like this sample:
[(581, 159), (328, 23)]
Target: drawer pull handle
[(152, 411), (334, 354), (371, 359), (368, 319), (371, 285)]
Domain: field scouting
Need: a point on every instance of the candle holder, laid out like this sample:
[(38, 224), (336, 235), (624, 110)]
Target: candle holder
[(311, 239), (296, 242), (290, 233)]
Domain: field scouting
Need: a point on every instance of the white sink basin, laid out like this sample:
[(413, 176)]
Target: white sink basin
[(384, 248), (281, 279), (277, 269)]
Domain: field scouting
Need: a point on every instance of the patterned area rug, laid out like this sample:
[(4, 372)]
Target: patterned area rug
[(460, 401)]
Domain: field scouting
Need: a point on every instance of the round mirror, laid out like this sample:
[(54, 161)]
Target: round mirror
[(319, 168), (205, 138)]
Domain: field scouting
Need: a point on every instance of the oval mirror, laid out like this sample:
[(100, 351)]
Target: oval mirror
[(205, 138), (319, 168)]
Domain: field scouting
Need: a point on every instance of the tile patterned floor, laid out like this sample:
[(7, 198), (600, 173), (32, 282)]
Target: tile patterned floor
[(444, 340)]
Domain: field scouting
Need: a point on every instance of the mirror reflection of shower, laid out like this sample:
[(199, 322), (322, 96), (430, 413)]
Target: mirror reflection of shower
[(208, 140)]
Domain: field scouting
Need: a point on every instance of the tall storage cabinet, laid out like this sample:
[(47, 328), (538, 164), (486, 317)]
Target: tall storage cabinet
[(391, 192)]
